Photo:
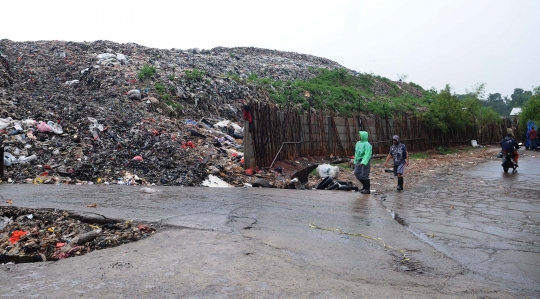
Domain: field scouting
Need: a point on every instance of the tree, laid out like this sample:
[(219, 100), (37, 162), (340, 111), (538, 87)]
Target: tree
[(496, 102), (519, 97), (471, 107), (531, 109), (489, 116), (478, 90), (445, 113)]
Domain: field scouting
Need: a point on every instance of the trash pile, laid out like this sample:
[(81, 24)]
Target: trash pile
[(329, 175), (103, 112), (32, 235)]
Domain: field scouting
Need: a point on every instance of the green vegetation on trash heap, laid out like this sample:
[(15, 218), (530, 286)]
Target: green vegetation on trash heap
[(146, 71), (340, 91), (345, 94), (174, 104), (159, 87), (194, 75)]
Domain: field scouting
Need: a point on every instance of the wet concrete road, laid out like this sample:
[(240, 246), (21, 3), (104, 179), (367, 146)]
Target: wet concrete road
[(236, 242), (482, 218)]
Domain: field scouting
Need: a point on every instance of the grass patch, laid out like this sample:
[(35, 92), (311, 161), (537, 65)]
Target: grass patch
[(175, 105), (345, 166), (146, 71), (377, 161), (159, 87), (419, 156), (234, 77), (445, 151), (194, 75)]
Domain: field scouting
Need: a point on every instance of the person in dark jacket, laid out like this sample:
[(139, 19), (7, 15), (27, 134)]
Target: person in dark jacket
[(362, 161), (399, 153), (509, 145)]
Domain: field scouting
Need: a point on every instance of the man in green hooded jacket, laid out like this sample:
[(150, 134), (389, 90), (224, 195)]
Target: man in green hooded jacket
[(362, 161)]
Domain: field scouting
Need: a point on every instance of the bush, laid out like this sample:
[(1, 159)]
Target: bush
[(416, 86), (146, 71)]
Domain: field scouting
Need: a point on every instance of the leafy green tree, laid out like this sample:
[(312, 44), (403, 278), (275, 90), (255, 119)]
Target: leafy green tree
[(471, 108), (496, 102), (519, 97), (489, 116), (445, 113), (531, 109)]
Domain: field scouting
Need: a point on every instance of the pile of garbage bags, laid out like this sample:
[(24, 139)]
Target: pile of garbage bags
[(31, 235)]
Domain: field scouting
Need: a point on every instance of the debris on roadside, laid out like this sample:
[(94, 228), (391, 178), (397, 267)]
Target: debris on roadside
[(32, 235)]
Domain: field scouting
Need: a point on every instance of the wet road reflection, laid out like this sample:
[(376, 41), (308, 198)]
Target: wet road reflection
[(485, 219)]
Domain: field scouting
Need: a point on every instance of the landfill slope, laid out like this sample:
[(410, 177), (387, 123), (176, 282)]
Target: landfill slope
[(104, 112)]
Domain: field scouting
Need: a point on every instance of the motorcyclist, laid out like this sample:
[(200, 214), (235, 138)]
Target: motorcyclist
[(509, 145)]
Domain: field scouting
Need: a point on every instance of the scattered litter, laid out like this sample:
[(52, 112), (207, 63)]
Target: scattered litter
[(148, 190), (214, 181), (53, 234)]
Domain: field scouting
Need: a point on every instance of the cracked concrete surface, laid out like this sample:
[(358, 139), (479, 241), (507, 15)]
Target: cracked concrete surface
[(465, 234)]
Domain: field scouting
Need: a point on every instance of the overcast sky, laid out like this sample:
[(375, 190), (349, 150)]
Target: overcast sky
[(434, 42)]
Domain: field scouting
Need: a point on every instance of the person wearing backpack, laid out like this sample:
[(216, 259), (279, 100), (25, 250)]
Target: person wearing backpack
[(398, 152)]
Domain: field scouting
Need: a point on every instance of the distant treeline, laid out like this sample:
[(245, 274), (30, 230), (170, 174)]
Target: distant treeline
[(503, 105)]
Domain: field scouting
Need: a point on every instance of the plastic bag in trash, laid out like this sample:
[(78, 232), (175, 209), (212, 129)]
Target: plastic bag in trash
[(9, 159), (134, 94), (5, 122), (325, 170), (43, 127), (55, 128)]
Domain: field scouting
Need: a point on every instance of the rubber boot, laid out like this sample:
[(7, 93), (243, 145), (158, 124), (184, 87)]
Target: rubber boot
[(367, 185), (400, 183), (363, 182)]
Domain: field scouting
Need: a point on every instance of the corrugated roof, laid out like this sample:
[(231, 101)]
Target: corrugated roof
[(515, 111)]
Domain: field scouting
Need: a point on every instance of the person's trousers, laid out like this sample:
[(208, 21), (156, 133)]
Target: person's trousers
[(361, 172)]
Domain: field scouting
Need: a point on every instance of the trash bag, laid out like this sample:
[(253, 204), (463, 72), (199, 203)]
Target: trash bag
[(9, 159), (134, 94), (325, 170), (5, 122), (325, 182), (262, 183), (55, 128)]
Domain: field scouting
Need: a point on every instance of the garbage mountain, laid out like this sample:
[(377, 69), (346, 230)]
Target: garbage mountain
[(104, 112)]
